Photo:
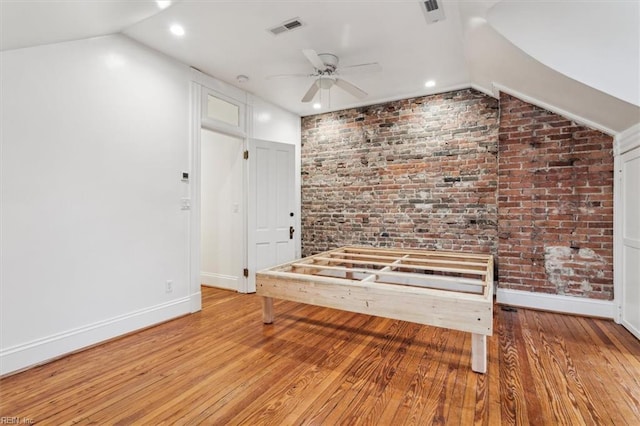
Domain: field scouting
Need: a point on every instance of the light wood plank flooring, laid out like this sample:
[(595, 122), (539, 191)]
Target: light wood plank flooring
[(326, 367)]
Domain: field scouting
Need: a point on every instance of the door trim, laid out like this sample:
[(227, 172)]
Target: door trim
[(193, 192), (198, 91)]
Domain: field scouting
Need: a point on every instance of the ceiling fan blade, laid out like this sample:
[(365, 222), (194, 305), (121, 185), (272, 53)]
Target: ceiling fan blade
[(354, 90), (311, 92), (276, 76), (315, 60), (361, 69)]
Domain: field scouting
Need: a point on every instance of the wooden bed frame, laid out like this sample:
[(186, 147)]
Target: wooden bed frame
[(442, 289)]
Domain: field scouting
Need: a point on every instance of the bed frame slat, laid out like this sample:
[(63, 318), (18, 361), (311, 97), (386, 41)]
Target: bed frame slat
[(387, 271), (329, 261), (410, 258)]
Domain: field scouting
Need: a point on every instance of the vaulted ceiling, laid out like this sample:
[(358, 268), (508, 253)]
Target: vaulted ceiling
[(577, 57)]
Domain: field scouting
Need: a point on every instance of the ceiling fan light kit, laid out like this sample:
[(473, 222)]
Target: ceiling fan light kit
[(325, 82)]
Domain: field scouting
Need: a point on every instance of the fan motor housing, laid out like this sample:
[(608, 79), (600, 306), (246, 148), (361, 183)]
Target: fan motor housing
[(330, 60)]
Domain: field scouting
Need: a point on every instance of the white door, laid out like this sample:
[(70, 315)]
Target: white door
[(271, 206), (221, 210), (630, 183)]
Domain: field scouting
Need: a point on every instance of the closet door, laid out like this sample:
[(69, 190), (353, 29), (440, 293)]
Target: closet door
[(630, 235), (271, 206)]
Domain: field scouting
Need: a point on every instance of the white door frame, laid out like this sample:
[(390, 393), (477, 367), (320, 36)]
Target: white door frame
[(199, 87), (200, 81)]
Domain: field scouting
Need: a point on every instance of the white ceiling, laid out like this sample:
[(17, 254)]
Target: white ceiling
[(228, 38), (597, 43)]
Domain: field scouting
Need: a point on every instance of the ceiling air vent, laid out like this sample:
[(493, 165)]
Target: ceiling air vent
[(432, 11), (289, 25)]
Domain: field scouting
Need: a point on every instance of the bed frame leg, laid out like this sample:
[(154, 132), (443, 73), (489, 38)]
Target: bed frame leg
[(267, 310), (479, 353)]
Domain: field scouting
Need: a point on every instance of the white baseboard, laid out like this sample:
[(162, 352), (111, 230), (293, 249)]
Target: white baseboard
[(39, 351), (196, 301), (632, 329), (212, 279), (558, 303)]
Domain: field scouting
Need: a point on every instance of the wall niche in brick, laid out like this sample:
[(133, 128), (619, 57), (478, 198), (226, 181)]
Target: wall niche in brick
[(555, 203), (419, 172)]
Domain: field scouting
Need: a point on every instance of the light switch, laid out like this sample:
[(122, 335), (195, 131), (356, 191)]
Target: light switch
[(186, 204)]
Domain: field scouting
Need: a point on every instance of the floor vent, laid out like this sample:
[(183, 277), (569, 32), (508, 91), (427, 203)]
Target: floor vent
[(289, 25)]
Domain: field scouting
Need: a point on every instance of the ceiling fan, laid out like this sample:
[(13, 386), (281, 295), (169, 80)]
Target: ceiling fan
[(327, 74)]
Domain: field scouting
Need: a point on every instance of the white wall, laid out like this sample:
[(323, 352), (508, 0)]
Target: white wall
[(271, 123), (94, 138), (222, 210)]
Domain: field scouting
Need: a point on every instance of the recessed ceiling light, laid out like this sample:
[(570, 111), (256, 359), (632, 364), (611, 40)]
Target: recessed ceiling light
[(317, 105), (430, 83), (163, 4), (177, 30)]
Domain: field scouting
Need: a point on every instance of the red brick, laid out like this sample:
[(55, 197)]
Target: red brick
[(570, 182)]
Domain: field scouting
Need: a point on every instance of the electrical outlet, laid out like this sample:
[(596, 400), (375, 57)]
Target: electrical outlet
[(169, 287)]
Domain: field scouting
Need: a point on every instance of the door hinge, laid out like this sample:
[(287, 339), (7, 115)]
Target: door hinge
[(246, 272), (246, 155)]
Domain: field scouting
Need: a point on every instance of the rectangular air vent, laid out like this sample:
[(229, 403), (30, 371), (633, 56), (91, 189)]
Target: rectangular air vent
[(432, 11), (292, 25), (289, 25), (431, 5)]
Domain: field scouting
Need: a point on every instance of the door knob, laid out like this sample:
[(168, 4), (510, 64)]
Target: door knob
[(291, 231)]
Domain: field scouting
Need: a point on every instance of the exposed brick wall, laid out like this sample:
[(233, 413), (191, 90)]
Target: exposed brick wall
[(419, 172), (555, 203), (423, 172)]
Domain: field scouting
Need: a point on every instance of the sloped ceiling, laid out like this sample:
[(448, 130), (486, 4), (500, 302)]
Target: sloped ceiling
[(496, 63), (578, 41), (489, 45), (28, 23)]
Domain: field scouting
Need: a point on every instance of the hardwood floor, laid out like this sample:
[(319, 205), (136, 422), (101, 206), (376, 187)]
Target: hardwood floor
[(325, 367)]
